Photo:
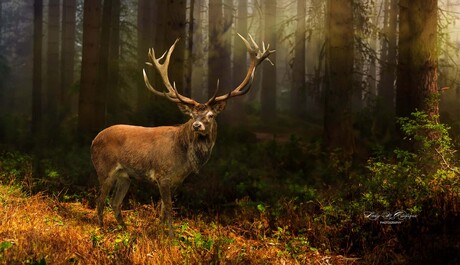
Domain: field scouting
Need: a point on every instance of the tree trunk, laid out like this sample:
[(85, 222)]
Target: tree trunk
[(218, 55), (145, 40), (338, 131), (67, 57), (114, 97), (189, 62), (52, 62), (386, 88), (417, 68), (176, 28), (298, 93), (268, 93), (37, 68), (199, 77), (105, 44), (226, 74), (2, 60), (240, 62), (315, 60), (91, 112)]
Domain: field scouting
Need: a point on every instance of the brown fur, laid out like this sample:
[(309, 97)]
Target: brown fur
[(165, 155)]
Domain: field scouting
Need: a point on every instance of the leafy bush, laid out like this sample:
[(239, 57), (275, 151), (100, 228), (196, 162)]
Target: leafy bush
[(424, 180), (414, 179)]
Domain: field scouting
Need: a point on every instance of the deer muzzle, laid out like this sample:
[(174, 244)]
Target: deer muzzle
[(198, 126)]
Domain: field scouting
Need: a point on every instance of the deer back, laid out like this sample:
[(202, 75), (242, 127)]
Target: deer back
[(166, 151)]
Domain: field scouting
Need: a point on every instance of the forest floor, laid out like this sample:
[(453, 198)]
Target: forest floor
[(39, 229)]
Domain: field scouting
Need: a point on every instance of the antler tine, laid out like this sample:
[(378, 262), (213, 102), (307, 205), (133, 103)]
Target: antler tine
[(150, 87), (161, 57), (162, 68), (248, 45), (257, 56), (214, 95), (253, 42)]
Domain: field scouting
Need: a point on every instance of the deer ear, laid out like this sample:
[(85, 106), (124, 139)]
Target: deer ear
[(219, 106), (185, 108)]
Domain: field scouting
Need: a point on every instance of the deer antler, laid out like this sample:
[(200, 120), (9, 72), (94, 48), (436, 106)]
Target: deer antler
[(255, 53), (162, 69), (257, 56)]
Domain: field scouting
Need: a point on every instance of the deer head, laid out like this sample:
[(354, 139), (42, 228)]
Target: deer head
[(203, 115)]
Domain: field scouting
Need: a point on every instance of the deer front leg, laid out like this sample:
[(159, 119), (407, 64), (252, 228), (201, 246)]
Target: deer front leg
[(166, 204)]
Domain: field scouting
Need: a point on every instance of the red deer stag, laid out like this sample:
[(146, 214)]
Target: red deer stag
[(167, 154)]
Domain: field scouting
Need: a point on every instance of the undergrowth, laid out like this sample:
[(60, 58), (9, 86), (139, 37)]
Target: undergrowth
[(40, 230), (266, 201)]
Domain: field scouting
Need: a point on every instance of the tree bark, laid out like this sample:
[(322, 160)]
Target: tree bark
[(298, 93), (199, 78), (338, 131), (268, 93), (145, 40), (52, 62), (109, 56), (386, 87), (37, 68), (240, 63), (176, 28), (218, 56), (417, 60), (189, 62), (91, 112), (67, 56), (315, 59)]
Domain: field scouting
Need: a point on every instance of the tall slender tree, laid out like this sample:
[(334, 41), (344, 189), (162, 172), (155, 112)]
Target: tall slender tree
[(146, 36), (298, 93), (114, 105), (176, 28), (200, 60), (52, 62), (68, 34), (239, 62), (268, 93), (108, 56), (91, 111), (37, 67), (218, 56), (386, 87), (189, 63), (239, 49), (315, 57), (338, 132)]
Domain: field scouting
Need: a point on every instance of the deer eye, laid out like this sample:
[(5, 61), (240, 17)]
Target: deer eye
[(210, 115)]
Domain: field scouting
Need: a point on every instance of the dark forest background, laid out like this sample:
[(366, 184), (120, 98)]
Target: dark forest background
[(360, 112)]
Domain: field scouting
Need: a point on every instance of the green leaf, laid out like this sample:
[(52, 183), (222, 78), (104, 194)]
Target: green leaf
[(5, 245)]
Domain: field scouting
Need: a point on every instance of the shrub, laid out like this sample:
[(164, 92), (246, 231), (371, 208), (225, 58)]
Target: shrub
[(423, 180)]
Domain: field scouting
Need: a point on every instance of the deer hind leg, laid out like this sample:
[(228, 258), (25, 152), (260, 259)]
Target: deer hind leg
[(106, 186), (122, 183)]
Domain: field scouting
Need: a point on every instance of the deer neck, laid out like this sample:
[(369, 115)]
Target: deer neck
[(197, 147)]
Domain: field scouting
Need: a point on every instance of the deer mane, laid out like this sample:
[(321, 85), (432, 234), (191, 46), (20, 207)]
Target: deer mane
[(197, 147)]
